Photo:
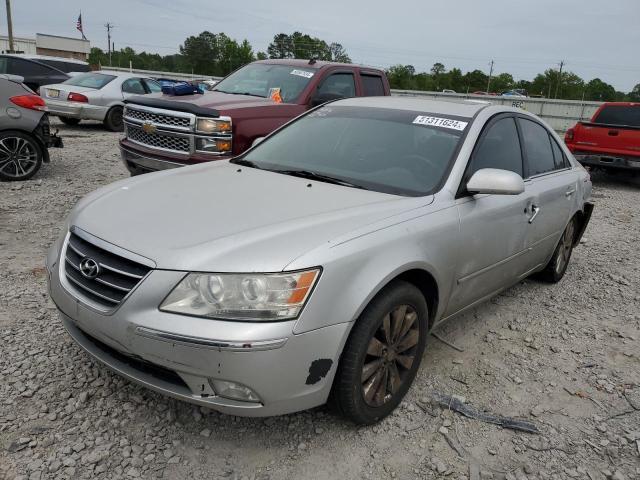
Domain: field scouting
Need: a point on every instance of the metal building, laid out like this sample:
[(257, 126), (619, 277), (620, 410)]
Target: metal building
[(51, 45)]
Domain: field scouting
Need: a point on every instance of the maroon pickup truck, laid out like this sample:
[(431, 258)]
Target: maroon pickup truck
[(163, 131)]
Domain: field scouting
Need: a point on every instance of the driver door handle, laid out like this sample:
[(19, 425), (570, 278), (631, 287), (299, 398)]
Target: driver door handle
[(535, 210), (570, 192)]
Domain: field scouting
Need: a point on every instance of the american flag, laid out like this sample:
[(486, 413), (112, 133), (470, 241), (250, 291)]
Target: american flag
[(79, 25)]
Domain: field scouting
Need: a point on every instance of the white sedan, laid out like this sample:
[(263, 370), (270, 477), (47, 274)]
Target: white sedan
[(96, 96)]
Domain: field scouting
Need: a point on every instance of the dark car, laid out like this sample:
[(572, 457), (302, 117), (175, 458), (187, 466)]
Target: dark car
[(40, 70), (24, 130)]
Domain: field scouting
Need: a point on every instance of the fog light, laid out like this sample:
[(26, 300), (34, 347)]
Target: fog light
[(234, 391), (213, 145)]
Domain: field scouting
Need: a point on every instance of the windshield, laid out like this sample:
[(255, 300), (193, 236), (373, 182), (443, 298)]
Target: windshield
[(392, 151), (261, 80), (89, 80)]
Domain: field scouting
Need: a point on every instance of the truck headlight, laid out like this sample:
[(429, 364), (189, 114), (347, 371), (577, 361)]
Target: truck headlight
[(213, 145), (213, 125), (250, 296)]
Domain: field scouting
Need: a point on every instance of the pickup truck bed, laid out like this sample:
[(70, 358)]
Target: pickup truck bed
[(611, 140)]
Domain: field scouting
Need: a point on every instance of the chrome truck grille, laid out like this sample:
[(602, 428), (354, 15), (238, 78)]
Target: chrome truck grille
[(162, 141), (166, 130), (98, 274)]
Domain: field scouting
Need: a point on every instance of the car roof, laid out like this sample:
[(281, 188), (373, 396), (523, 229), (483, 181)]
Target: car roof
[(28, 56), (461, 108), (318, 64), (120, 74)]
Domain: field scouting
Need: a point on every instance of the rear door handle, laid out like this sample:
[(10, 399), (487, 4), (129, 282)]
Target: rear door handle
[(613, 133), (570, 192), (535, 210)]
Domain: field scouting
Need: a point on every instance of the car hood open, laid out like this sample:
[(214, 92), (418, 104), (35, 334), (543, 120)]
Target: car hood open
[(222, 217)]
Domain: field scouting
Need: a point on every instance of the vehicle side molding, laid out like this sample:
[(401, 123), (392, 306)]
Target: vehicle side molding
[(495, 181)]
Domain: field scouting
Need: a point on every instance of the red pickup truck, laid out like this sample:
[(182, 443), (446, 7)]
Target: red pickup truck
[(163, 131), (611, 140)]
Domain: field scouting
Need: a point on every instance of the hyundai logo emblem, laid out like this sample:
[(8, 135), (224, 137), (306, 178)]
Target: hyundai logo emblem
[(89, 268)]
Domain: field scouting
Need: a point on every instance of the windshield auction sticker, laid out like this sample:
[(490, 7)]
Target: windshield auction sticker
[(440, 122), (302, 73)]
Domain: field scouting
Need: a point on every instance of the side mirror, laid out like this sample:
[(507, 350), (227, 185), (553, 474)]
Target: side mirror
[(495, 181), (319, 99), (256, 141)]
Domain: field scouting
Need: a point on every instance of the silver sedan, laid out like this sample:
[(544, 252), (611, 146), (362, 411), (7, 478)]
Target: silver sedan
[(96, 96), (314, 265)]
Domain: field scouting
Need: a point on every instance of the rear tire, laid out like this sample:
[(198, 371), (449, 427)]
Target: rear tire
[(382, 355), (72, 122), (20, 156), (557, 266), (113, 120)]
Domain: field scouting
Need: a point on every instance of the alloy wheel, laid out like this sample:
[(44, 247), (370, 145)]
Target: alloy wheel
[(18, 157), (390, 355), (566, 244)]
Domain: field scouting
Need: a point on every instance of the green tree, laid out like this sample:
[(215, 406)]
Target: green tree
[(634, 95), (598, 90), (476, 81), (337, 53)]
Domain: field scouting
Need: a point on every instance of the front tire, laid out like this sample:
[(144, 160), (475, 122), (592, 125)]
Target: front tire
[(113, 120), (72, 122), (20, 156), (382, 355), (557, 266)]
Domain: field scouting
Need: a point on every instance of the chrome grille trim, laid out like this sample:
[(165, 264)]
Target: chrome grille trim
[(117, 275), (161, 140), (161, 118)]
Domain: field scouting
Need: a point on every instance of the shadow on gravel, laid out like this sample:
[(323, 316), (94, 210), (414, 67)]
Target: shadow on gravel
[(615, 179)]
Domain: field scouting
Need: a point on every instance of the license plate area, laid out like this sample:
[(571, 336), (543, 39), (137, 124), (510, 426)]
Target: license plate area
[(53, 93)]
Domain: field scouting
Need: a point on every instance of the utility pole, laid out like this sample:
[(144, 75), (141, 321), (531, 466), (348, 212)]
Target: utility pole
[(490, 73), (559, 79), (108, 26), (10, 27)]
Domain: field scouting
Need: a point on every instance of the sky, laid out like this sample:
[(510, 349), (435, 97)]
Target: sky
[(594, 38)]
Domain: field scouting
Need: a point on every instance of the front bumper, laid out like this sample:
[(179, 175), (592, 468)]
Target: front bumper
[(81, 111), (608, 161), (177, 355)]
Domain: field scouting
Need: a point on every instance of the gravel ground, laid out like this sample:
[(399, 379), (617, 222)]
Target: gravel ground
[(565, 357)]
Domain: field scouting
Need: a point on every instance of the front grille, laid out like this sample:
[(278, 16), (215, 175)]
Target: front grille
[(158, 140), (158, 118), (116, 277)]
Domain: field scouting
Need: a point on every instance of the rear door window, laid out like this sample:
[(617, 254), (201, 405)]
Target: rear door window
[(22, 67), (372, 85), (558, 157), (133, 85), (537, 147), (626, 115), (3, 65)]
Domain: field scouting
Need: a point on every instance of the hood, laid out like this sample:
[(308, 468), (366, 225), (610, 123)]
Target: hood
[(218, 100), (224, 218)]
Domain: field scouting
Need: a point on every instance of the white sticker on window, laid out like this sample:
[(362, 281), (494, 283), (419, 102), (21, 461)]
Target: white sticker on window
[(302, 73), (440, 122)]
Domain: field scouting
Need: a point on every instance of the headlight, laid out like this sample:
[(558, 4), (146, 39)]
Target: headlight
[(213, 145), (213, 125), (255, 296)]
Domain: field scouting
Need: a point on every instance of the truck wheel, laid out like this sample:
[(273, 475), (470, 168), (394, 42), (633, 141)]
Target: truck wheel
[(382, 355), (20, 156), (557, 266), (113, 120), (72, 122)]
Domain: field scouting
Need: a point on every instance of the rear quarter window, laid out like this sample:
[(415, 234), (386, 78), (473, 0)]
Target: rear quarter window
[(372, 85), (626, 115)]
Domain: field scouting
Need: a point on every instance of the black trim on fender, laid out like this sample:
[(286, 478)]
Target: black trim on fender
[(584, 220)]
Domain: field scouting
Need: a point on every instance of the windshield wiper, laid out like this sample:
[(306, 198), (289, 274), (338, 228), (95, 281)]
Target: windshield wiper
[(319, 176), (247, 163), (240, 93)]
